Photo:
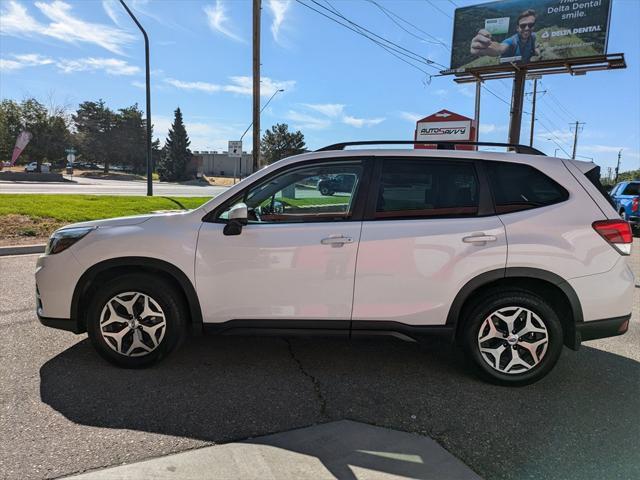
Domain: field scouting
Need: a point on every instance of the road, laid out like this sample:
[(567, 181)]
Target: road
[(64, 410), (92, 186)]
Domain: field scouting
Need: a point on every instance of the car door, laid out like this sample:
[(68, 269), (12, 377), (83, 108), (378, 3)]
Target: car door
[(295, 260), (428, 230)]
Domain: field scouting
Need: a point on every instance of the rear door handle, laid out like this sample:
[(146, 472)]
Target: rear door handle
[(479, 239), (336, 240)]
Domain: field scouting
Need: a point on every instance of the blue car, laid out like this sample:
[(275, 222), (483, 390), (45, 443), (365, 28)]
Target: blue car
[(625, 196)]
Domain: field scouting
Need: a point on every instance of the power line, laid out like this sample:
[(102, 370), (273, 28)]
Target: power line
[(438, 8), (553, 97), (391, 15), (554, 138), (387, 48)]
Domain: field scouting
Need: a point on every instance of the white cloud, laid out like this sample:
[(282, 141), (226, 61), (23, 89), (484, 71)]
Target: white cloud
[(361, 122), (305, 121), (492, 128), (218, 21), (199, 86), (111, 66), (112, 9), (242, 85), (139, 84), (561, 135), (441, 92), (626, 151), (328, 109), (63, 26), (25, 60), (466, 90), (278, 10), (411, 116)]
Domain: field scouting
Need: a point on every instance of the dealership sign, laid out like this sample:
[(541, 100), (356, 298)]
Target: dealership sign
[(528, 31), (444, 126)]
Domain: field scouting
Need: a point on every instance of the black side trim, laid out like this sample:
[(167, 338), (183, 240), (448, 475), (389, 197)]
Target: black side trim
[(178, 275), (468, 289), (61, 324), (278, 327), (415, 332), (609, 327)]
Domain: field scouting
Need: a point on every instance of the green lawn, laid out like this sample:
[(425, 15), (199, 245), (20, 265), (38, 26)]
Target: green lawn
[(24, 218), (305, 202), (78, 208)]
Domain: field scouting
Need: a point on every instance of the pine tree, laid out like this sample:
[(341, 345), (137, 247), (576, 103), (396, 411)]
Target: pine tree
[(278, 142), (175, 154)]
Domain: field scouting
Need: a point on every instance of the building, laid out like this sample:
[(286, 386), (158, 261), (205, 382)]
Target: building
[(219, 164)]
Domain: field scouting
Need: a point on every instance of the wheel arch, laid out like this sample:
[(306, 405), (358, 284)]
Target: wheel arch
[(549, 285), (111, 268)]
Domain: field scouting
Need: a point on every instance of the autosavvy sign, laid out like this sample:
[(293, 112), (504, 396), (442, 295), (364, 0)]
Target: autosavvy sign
[(444, 126)]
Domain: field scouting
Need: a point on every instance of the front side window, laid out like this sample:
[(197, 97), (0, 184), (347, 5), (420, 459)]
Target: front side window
[(322, 192), (423, 189), (519, 187)]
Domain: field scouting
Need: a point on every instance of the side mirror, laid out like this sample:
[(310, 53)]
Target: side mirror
[(238, 217)]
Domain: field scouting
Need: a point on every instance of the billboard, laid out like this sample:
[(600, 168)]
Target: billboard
[(528, 31)]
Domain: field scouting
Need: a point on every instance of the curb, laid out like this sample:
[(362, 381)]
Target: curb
[(21, 249)]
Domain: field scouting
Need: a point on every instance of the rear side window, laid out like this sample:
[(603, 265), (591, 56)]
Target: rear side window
[(632, 189), (519, 187), (425, 189)]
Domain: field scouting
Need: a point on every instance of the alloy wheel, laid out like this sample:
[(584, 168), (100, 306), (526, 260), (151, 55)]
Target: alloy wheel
[(132, 324), (513, 340)]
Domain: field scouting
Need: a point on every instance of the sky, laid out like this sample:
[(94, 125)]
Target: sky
[(338, 86)]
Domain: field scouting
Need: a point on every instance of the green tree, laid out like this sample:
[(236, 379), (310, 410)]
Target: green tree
[(175, 154), (129, 139), (277, 143), (94, 123)]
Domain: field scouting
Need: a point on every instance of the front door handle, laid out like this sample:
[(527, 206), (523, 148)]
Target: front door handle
[(479, 239), (336, 240)]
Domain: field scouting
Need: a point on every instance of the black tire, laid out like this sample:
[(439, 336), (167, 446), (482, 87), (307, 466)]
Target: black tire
[(504, 299), (326, 191), (160, 291)]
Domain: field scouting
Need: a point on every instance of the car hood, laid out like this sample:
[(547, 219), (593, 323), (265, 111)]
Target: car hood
[(125, 221)]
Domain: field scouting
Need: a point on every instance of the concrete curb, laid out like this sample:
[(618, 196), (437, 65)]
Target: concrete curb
[(21, 249)]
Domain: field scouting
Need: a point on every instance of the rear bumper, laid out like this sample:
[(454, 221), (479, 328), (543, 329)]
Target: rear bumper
[(609, 327)]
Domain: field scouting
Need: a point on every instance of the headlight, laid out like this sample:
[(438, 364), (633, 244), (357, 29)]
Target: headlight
[(63, 239)]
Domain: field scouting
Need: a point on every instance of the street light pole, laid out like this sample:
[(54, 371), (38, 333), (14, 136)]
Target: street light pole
[(148, 85), (261, 110)]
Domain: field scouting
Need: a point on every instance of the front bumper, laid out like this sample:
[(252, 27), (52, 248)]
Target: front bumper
[(61, 324), (609, 327)]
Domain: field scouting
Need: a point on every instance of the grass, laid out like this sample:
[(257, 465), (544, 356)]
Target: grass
[(33, 217), (305, 202)]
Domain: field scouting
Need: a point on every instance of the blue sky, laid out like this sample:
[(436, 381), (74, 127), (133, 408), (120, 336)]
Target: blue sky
[(338, 85)]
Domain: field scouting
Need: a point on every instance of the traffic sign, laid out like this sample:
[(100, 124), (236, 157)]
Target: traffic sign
[(235, 148)]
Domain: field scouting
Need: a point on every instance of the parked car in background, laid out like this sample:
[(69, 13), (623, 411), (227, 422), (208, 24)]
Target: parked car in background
[(416, 247), (626, 196), (336, 184), (33, 167)]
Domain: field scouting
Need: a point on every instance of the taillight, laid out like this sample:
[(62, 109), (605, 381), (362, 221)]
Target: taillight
[(617, 233), (634, 204)]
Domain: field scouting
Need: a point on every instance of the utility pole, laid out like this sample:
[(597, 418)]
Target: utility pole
[(517, 98), (618, 166), (575, 139), (257, 5), (535, 79)]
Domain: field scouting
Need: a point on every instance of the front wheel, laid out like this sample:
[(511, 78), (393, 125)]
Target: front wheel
[(135, 320), (513, 337)]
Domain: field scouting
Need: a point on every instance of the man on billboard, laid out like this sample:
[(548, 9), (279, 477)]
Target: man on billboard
[(518, 48)]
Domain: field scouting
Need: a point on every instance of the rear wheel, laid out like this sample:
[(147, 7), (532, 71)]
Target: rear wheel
[(325, 190), (135, 320), (513, 337)]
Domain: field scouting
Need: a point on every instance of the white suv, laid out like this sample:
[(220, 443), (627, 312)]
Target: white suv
[(509, 255)]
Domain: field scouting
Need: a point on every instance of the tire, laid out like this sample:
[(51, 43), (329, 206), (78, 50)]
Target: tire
[(326, 191), (513, 359), (113, 330)]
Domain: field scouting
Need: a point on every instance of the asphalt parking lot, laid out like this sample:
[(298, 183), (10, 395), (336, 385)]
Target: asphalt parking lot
[(64, 410)]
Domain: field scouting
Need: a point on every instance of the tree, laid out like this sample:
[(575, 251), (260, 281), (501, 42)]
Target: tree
[(278, 143), (10, 127), (175, 154), (129, 139), (95, 123)]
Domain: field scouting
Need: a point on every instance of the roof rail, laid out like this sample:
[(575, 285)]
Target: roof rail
[(440, 145)]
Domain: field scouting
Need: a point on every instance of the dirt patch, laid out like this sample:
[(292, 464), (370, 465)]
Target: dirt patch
[(221, 181), (24, 230), (107, 176)]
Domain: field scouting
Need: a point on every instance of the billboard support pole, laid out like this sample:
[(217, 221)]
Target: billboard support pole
[(517, 100), (533, 111), (476, 117)]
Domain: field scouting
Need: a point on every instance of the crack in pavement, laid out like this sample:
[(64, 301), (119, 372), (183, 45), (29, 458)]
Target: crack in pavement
[(314, 380)]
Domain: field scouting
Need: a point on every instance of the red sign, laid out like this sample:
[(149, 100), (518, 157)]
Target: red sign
[(445, 126)]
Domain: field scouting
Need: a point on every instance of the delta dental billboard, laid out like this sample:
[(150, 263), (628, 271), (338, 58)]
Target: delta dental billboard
[(528, 31)]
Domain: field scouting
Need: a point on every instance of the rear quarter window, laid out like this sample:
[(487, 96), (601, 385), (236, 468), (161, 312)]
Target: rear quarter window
[(632, 189), (518, 187)]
